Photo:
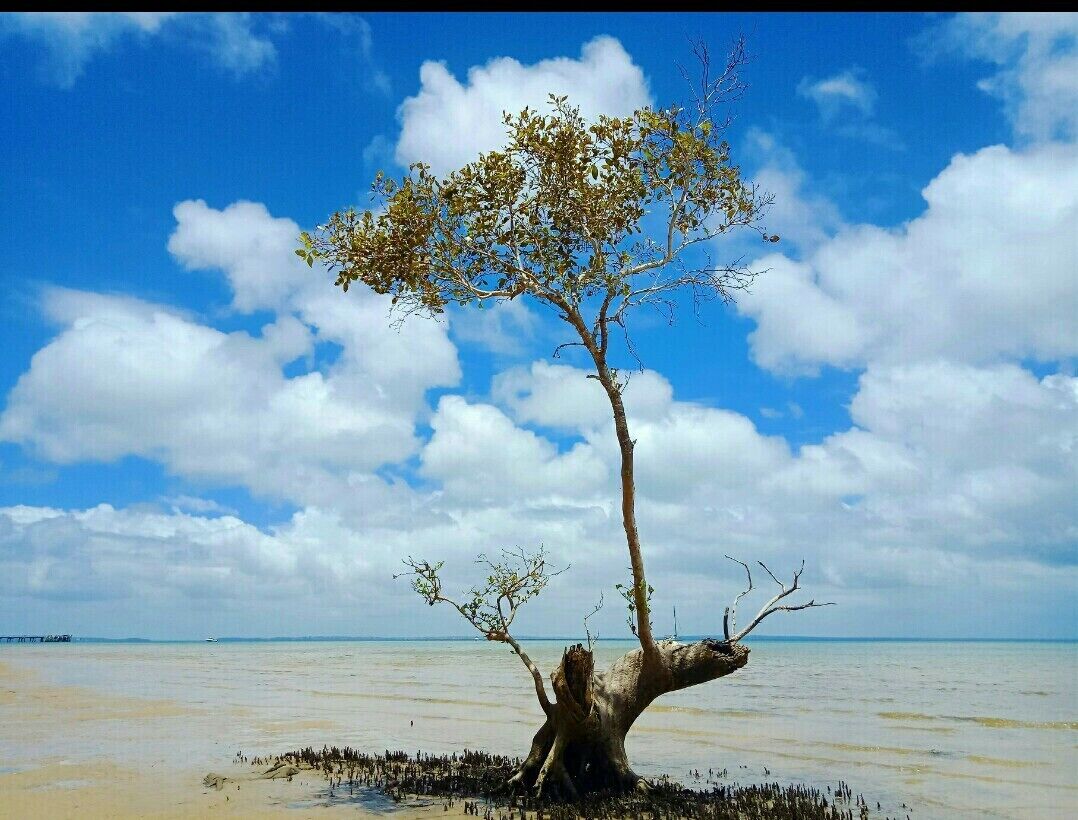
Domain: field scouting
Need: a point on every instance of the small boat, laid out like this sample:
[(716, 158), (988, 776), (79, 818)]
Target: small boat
[(211, 640), (674, 636)]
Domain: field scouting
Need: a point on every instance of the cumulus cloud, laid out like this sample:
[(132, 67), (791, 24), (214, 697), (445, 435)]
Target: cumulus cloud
[(985, 272), (957, 458), (504, 329), (107, 553), (947, 468), (150, 383), (448, 123), (1037, 57), (478, 454), (253, 248), (564, 397), (126, 377), (71, 39)]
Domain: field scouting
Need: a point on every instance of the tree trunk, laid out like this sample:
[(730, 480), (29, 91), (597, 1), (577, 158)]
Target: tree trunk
[(581, 746)]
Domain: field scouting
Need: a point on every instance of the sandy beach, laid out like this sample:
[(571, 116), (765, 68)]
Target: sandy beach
[(104, 788)]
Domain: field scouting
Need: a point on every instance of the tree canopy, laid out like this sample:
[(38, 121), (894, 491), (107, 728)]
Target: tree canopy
[(559, 213)]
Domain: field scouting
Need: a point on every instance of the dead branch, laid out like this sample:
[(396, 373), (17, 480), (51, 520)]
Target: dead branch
[(729, 620), (587, 632), (771, 606)]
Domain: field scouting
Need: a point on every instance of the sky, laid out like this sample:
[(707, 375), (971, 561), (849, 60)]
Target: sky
[(200, 435)]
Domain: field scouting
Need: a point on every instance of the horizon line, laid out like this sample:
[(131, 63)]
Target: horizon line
[(628, 639)]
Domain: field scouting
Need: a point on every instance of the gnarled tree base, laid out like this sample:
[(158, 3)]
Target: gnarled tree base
[(581, 747)]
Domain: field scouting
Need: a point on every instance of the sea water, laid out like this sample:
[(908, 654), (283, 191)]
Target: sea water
[(978, 729)]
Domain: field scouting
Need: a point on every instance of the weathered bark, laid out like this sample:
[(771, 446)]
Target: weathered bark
[(581, 746)]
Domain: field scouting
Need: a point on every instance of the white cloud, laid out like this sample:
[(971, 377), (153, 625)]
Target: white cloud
[(448, 123), (505, 329), (1037, 55), (797, 215), (846, 102), (126, 377), (252, 247), (985, 272), (255, 252), (841, 92), (169, 558), (230, 39), (929, 440), (949, 469), (192, 504), (956, 458), (478, 454), (72, 39), (793, 410), (354, 29), (563, 397), (378, 153), (150, 383)]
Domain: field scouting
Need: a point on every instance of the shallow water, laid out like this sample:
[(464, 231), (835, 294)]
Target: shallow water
[(949, 728)]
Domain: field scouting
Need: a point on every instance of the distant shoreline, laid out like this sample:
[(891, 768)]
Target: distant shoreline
[(468, 639)]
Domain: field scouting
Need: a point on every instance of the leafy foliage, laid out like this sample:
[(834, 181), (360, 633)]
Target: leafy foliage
[(558, 213), (627, 592), (490, 608)]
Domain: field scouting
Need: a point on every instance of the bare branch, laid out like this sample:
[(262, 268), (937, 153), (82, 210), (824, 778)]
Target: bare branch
[(557, 351), (771, 606), (587, 632), (776, 580), (732, 611)]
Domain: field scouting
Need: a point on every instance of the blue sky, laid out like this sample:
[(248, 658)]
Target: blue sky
[(200, 435)]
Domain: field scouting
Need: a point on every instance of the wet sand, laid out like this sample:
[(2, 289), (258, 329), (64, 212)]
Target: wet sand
[(104, 788)]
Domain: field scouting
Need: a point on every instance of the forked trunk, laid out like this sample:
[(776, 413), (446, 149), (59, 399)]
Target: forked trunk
[(581, 746)]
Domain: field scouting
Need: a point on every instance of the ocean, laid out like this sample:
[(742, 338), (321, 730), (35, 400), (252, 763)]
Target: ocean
[(948, 728)]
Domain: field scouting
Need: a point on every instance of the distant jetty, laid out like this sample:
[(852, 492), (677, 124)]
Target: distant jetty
[(35, 638)]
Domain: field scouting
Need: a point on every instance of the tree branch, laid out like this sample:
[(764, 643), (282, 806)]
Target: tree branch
[(587, 631), (773, 605), (731, 611), (492, 608)]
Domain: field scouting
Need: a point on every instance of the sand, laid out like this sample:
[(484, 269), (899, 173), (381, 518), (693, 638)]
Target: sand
[(107, 788)]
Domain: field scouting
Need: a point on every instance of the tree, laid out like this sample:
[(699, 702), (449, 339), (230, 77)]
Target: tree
[(591, 220)]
